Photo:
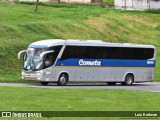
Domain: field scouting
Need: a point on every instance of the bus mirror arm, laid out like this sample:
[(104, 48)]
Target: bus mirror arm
[(19, 54), (44, 53)]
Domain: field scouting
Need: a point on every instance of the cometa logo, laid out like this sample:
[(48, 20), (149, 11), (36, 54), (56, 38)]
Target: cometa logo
[(89, 63)]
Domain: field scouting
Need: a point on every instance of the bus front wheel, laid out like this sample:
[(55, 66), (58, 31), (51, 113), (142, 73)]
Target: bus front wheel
[(63, 79), (129, 79)]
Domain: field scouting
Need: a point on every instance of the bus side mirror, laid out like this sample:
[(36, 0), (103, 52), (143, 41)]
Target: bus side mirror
[(44, 53), (19, 54)]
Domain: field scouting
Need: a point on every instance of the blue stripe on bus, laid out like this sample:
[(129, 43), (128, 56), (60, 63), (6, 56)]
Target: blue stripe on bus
[(107, 63), (38, 46)]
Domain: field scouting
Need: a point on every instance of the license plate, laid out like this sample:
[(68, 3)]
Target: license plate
[(29, 78)]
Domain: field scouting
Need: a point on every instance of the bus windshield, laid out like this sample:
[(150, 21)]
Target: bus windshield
[(32, 59)]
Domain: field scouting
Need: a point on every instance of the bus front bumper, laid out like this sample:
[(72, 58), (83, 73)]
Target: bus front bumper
[(31, 76)]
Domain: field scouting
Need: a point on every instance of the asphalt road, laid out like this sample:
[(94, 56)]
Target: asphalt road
[(149, 86)]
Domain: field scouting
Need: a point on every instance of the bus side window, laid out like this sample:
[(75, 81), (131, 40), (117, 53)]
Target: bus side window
[(144, 53), (48, 60), (56, 52)]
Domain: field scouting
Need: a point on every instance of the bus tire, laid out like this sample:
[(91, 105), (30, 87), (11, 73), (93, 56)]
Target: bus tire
[(44, 83), (63, 79), (111, 83), (129, 79)]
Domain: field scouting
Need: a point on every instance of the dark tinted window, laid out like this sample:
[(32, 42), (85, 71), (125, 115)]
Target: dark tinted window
[(107, 53), (56, 50), (144, 53), (49, 59), (74, 52)]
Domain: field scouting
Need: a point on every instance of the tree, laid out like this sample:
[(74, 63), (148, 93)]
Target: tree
[(37, 2)]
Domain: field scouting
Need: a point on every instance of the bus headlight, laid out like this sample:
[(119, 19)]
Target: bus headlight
[(38, 73)]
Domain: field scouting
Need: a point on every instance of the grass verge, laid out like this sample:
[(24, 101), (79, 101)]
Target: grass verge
[(20, 25), (44, 99)]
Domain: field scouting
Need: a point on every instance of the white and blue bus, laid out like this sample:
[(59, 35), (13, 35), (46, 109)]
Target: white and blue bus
[(63, 61)]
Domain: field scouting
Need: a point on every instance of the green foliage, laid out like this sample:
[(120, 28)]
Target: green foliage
[(20, 26), (154, 11), (109, 1), (47, 99)]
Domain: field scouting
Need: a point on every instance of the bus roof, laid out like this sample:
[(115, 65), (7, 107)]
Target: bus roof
[(55, 42)]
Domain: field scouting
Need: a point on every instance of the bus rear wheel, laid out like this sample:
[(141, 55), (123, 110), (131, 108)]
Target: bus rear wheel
[(111, 83), (63, 79), (129, 79)]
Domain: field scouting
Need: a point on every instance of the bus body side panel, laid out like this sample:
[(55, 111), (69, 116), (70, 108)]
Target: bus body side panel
[(145, 74), (49, 75), (94, 73), (74, 73), (141, 74), (117, 74), (61, 69), (81, 73), (99, 74), (105, 73)]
